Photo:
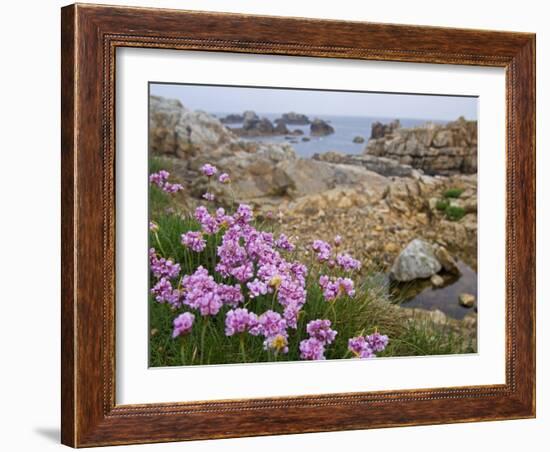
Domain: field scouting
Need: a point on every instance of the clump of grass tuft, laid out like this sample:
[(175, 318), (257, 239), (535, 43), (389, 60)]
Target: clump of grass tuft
[(453, 192), (442, 204), (454, 213)]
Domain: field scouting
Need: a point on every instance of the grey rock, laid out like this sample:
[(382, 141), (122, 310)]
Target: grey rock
[(447, 261), (467, 300), (320, 128), (416, 261), (384, 166), (437, 281)]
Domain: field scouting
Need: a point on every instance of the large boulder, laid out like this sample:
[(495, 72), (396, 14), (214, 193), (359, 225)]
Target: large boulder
[(174, 130), (320, 128), (416, 261)]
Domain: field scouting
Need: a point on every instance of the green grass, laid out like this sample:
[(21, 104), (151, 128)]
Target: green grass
[(453, 192), (423, 338), (455, 213), (442, 204)]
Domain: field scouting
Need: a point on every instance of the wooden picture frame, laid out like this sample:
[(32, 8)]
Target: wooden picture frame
[(90, 36)]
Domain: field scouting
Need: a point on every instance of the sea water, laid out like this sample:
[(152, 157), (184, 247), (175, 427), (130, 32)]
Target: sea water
[(346, 128)]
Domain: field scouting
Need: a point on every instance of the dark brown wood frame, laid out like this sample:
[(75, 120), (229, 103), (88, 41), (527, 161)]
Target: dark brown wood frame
[(90, 36)]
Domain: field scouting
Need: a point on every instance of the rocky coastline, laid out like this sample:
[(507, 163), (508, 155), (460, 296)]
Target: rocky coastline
[(381, 200)]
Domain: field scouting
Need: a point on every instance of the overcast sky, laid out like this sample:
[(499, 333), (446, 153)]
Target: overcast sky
[(223, 99)]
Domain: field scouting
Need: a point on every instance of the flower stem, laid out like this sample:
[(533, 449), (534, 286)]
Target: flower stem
[(182, 351), (160, 245), (243, 352), (203, 335)]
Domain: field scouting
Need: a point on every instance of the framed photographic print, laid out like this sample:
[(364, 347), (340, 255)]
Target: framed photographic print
[(281, 225)]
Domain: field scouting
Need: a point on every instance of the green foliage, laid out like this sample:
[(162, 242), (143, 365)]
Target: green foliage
[(442, 204), (454, 213), (423, 338), (453, 192)]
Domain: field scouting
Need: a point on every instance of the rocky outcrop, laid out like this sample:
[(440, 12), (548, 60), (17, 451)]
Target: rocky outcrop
[(236, 118), (293, 118), (177, 131), (416, 261), (233, 118), (358, 139), (436, 149), (384, 166), (320, 128), (260, 127), (379, 130)]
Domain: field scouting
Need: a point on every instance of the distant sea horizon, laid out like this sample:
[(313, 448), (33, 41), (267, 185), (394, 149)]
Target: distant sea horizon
[(346, 128)]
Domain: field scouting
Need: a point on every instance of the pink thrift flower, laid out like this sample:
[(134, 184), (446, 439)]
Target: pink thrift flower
[(256, 288), (279, 343), (360, 347), (159, 178), (239, 321), (284, 243), (312, 349), (201, 292), (320, 330), (323, 250), (230, 295), (224, 178), (270, 323), (153, 227), (208, 170), (346, 262), (194, 241), (161, 267), (334, 288), (164, 293), (169, 187), (337, 240), (377, 342), (209, 196), (183, 324)]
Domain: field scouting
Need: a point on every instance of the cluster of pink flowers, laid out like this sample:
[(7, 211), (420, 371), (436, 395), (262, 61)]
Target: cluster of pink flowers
[(312, 349), (201, 292), (347, 263), (368, 346), (336, 287), (320, 330), (165, 293), (320, 336), (257, 264), (323, 250), (161, 267), (164, 271), (160, 179)]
